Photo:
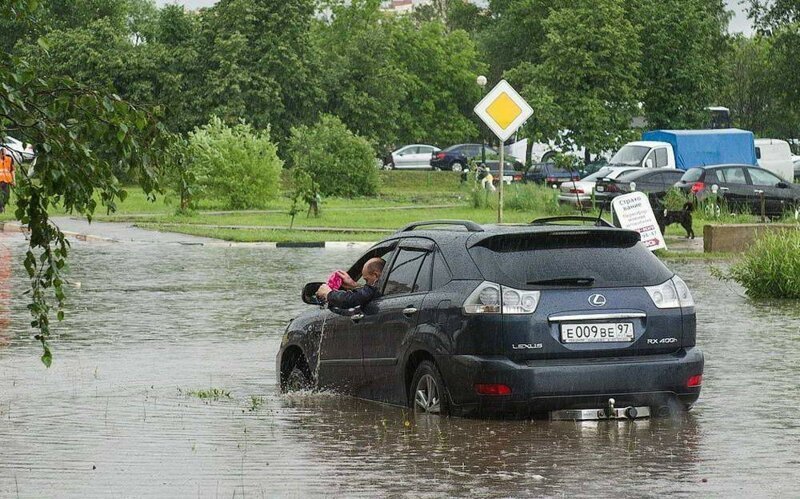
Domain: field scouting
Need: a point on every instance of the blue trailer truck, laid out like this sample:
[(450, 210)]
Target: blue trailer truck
[(684, 149)]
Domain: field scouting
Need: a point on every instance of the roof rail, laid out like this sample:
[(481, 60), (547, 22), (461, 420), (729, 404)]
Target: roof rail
[(470, 226), (597, 221)]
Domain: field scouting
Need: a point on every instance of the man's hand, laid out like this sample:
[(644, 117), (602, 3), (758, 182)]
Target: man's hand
[(322, 292), (347, 281)]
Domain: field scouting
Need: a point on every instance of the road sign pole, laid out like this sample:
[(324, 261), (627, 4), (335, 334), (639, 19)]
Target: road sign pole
[(500, 192)]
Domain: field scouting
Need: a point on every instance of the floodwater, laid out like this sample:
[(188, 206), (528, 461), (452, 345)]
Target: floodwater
[(114, 416)]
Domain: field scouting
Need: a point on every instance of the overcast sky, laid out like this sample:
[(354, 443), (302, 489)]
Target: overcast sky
[(739, 23)]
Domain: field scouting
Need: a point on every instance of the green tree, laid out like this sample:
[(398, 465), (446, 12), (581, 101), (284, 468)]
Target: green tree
[(258, 62), (587, 82), (396, 81), (81, 137), (340, 162), (683, 43), (234, 164)]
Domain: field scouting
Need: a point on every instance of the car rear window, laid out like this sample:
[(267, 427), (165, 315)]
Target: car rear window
[(570, 258), (692, 175)]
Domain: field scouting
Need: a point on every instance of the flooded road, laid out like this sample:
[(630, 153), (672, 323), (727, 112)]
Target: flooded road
[(152, 328)]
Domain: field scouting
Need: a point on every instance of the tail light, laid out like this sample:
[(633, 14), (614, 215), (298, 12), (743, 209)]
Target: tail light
[(671, 294), (576, 191), (491, 298), (612, 188), (693, 382), (551, 179), (517, 177), (697, 187), (492, 389), (440, 155)]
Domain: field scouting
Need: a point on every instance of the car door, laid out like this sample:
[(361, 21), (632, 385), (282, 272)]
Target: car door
[(340, 349), (734, 188), (405, 157), (423, 157), (776, 199), (391, 319)]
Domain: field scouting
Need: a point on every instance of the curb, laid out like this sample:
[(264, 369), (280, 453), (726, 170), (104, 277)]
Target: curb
[(16, 227), (19, 228)]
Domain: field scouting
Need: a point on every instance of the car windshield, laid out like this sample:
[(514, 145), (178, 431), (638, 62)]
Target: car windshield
[(692, 175), (629, 155), (608, 258)]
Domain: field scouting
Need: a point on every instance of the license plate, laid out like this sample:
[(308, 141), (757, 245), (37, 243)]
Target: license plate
[(597, 332), (600, 188)]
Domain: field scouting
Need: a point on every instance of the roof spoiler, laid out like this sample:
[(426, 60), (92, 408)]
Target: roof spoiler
[(470, 226), (596, 221)]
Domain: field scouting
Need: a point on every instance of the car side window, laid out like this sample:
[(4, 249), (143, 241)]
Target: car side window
[(763, 177), (425, 150), (441, 273), (661, 157), (423, 282), (734, 175), (404, 271)]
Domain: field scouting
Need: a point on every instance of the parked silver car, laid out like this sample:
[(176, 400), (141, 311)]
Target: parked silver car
[(580, 191), (411, 156)]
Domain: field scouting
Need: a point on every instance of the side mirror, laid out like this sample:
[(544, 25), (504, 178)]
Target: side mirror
[(783, 185), (309, 294), (648, 163)]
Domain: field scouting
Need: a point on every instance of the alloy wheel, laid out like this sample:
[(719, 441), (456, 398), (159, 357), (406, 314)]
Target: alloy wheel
[(426, 398), (457, 167)]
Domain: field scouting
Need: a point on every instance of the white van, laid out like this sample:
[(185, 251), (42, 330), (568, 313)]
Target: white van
[(776, 156)]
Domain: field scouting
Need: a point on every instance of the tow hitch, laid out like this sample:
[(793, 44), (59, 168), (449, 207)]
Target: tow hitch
[(607, 412)]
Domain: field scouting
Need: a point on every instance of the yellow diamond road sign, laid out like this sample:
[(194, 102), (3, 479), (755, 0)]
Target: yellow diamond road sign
[(503, 110)]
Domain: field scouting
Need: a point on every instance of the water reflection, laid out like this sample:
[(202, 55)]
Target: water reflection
[(108, 419)]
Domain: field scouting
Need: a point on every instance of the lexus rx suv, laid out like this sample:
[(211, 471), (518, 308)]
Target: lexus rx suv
[(545, 319)]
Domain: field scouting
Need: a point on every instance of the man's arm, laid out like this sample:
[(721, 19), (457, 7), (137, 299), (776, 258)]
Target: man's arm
[(351, 299)]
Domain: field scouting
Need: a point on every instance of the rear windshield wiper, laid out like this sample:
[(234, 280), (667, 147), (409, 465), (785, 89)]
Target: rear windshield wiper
[(564, 281)]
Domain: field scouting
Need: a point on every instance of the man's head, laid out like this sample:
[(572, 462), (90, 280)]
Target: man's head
[(371, 271)]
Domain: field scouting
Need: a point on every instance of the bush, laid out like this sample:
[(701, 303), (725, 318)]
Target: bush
[(771, 267), (237, 165), (532, 198), (342, 163)]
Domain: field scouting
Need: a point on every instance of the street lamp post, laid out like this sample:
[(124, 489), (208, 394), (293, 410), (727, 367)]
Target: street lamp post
[(481, 81)]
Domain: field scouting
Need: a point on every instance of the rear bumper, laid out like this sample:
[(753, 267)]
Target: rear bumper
[(548, 385)]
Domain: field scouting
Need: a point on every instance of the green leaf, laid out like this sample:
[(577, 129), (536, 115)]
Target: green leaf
[(47, 357)]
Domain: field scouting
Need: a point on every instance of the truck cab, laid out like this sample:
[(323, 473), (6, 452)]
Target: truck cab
[(645, 154), (776, 156)]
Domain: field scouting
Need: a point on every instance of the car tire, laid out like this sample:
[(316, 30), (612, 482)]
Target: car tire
[(298, 378), (388, 166), (457, 167), (427, 391)]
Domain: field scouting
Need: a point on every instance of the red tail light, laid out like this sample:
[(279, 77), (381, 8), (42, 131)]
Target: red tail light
[(492, 389), (551, 179), (697, 187), (517, 177), (576, 191), (695, 381), (440, 155)]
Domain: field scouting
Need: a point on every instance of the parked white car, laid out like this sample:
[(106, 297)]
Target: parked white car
[(580, 191), (411, 156)]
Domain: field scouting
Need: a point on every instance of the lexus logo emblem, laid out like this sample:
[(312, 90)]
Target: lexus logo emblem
[(597, 300)]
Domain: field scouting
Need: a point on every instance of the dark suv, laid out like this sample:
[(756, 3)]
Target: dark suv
[(548, 318)]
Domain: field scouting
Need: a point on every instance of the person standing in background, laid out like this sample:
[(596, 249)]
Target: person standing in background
[(6, 178)]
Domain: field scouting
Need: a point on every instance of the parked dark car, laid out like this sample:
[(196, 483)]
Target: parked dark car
[(520, 320), (549, 174), (655, 181), (457, 158), (740, 187)]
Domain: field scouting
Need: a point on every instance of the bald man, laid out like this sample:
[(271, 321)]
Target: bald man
[(351, 296)]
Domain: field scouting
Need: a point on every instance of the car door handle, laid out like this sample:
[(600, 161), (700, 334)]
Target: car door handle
[(356, 317), (409, 311), (723, 189)]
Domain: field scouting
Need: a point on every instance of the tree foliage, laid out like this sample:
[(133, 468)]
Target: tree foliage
[(340, 162), (235, 164), (586, 85), (81, 137)]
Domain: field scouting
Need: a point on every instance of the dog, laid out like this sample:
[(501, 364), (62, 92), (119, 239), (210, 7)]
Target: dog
[(666, 217)]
